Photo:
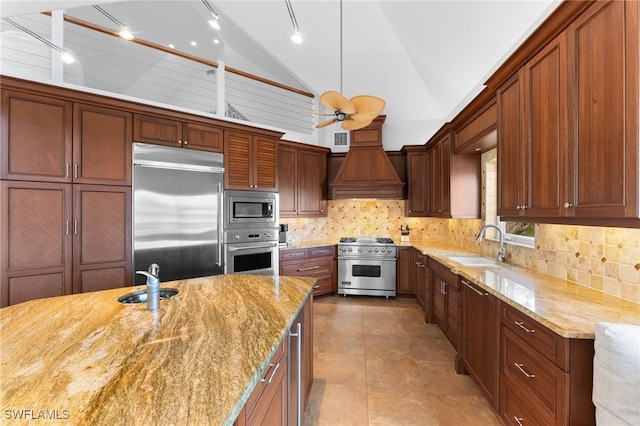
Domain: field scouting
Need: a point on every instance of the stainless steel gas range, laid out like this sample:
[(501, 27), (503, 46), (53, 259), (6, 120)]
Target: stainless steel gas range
[(367, 266)]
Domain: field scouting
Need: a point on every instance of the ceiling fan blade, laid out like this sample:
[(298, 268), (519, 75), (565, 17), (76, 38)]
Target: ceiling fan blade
[(326, 123), (355, 124), (368, 107), (337, 102)]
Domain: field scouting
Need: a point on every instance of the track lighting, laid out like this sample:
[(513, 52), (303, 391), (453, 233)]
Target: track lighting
[(66, 57), (124, 31), (297, 36), (213, 22)]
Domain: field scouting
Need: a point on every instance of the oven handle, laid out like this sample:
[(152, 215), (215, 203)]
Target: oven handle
[(252, 247)]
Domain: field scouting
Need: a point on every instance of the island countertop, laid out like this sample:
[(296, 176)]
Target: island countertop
[(89, 359)]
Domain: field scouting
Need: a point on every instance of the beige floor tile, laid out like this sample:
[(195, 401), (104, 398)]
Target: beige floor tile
[(342, 343), (395, 347), (336, 405), (456, 410), (440, 377), (383, 326), (390, 407), (344, 369), (432, 349), (401, 374)]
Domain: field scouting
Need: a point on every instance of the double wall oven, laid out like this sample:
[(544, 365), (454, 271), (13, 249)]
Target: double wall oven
[(251, 232)]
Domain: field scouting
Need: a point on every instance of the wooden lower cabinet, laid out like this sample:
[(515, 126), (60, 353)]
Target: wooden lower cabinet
[(544, 378), (421, 279), (405, 272), (444, 292), (59, 239), (319, 262), (480, 339), (268, 403)]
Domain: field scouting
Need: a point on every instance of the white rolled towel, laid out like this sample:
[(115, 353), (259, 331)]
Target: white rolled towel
[(616, 374)]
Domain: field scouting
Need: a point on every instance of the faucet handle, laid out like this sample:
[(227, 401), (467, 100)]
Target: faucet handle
[(154, 269)]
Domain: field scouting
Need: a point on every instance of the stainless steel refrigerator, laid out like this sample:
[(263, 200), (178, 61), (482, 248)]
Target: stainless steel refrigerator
[(177, 211)]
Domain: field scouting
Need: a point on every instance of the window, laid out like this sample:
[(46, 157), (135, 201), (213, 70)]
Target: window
[(521, 233)]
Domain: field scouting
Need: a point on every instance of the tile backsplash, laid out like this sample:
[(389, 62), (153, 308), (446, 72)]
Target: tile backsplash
[(606, 259)]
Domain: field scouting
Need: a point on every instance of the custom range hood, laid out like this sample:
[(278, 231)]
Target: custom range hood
[(366, 171)]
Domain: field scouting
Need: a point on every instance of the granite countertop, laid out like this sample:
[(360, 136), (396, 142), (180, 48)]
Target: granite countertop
[(569, 309), (88, 359), (302, 244)]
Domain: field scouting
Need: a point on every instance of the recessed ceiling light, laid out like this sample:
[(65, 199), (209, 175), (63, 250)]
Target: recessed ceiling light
[(214, 24), (67, 58), (216, 41), (171, 46), (193, 43), (297, 37), (125, 34)]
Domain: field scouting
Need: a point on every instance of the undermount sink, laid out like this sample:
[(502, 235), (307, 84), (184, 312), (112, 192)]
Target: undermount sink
[(141, 295), (480, 261)]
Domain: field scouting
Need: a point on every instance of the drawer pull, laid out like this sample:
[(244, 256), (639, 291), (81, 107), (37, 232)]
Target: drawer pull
[(521, 325), (518, 420), (480, 293), (317, 286), (311, 268), (273, 373), (522, 370)]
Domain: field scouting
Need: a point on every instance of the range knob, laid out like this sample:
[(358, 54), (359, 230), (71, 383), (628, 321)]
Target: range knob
[(370, 249), (349, 249), (359, 249), (375, 250), (383, 250)]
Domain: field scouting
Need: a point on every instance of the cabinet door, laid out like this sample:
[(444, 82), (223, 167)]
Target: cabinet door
[(439, 302), (102, 237), (203, 138), (264, 159), (156, 130), (312, 183), (36, 241), (604, 83), (101, 145), (288, 180), (420, 278), (444, 209), (545, 82), (404, 269), (434, 166), (510, 135), (417, 184), (452, 291), (237, 149), (36, 142), (480, 339)]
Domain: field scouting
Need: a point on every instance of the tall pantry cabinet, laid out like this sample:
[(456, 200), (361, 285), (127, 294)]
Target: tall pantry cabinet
[(65, 170)]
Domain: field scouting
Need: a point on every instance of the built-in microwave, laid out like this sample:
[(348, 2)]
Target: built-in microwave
[(250, 209)]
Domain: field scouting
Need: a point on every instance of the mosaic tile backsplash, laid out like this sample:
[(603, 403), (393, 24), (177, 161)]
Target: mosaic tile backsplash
[(606, 259)]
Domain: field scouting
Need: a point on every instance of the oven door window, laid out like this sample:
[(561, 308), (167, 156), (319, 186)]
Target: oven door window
[(255, 210), (251, 262), (370, 271)]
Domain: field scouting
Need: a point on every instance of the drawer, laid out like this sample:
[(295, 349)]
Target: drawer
[(293, 254), (533, 373), (268, 383), (328, 251), (444, 272), (308, 268), (548, 343), (517, 408)]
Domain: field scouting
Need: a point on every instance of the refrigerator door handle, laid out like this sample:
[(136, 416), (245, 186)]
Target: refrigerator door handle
[(220, 232)]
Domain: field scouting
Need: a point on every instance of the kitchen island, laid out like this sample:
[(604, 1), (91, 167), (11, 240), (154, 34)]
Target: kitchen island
[(89, 359)]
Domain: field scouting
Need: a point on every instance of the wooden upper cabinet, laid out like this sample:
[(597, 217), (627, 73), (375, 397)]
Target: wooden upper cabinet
[(603, 149), (302, 180), (164, 131), (454, 181), (533, 135), (250, 162), (36, 138), (102, 145), (477, 133), (417, 181)]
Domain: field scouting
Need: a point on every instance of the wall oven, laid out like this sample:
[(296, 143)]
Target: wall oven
[(250, 209), (251, 251)]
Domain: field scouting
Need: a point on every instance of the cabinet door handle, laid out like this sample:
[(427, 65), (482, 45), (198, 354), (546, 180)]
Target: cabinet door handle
[(273, 373), (75, 170), (567, 205), (179, 142), (66, 172), (75, 227), (474, 289), (186, 142), (521, 325), (311, 268), (66, 228), (522, 370), (518, 420)]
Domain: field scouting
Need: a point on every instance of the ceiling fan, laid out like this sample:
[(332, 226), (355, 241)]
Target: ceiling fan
[(354, 113)]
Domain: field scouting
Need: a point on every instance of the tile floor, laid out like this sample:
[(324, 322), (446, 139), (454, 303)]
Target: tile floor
[(378, 363)]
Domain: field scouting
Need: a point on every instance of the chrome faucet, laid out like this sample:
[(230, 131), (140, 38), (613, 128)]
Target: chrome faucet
[(153, 286), (501, 253)]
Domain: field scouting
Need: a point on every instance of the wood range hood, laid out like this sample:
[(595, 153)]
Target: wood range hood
[(366, 171)]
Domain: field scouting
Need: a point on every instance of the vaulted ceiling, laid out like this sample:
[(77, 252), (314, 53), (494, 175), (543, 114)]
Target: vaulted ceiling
[(426, 58)]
